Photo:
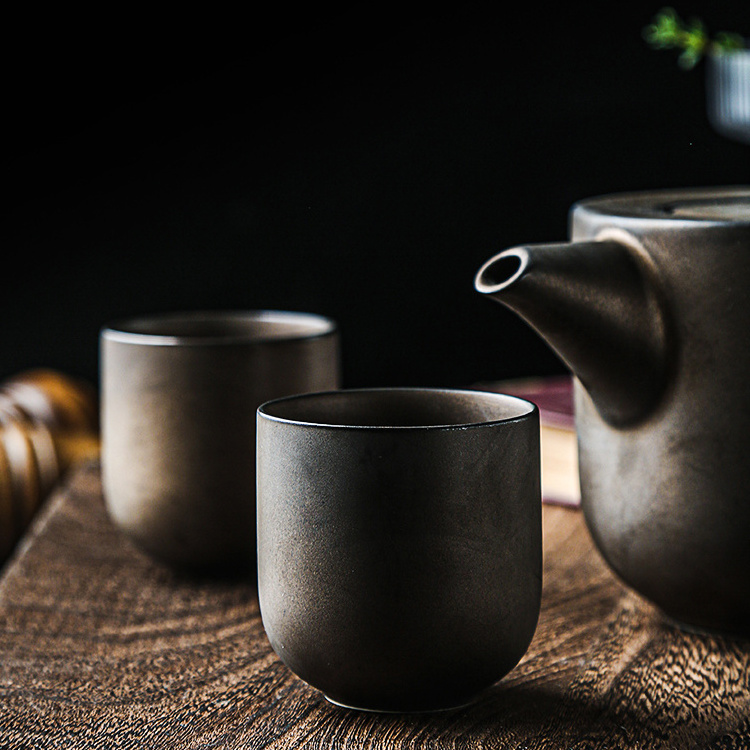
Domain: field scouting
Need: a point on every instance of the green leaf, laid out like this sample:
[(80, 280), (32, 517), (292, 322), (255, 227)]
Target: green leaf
[(669, 31)]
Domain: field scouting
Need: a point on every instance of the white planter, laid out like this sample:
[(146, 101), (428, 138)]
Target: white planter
[(728, 92)]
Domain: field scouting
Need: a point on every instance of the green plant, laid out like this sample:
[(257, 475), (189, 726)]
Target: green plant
[(669, 31)]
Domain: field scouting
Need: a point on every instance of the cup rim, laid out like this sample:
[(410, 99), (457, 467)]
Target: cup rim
[(526, 409), (134, 330)]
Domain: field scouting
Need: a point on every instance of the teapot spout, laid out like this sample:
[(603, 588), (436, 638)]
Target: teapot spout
[(599, 307)]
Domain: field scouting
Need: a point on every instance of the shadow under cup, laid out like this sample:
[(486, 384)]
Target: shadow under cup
[(399, 542), (179, 396)]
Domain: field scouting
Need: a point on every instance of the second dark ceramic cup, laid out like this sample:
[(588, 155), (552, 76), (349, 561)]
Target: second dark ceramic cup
[(399, 542), (179, 396)]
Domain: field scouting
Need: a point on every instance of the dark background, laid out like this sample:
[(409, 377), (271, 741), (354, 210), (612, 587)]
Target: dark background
[(359, 163)]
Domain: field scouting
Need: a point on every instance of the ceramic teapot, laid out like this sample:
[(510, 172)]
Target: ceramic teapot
[(649, 306)]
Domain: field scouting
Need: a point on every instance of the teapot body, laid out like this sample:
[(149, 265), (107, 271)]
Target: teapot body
[(666, 498)]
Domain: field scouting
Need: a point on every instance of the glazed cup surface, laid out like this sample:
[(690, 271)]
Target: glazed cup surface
[(399, 542), (179, 395)]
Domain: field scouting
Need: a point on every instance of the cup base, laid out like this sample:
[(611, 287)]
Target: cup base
[(451, 707)]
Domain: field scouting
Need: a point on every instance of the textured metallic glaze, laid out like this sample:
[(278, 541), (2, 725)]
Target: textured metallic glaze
[(649, 305), (399, 542)]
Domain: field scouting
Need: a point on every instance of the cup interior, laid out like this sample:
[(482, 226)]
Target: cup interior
[(397, 407), (222, 326)]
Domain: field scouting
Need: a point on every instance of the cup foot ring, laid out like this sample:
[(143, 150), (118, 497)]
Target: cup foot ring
[(452, 707)]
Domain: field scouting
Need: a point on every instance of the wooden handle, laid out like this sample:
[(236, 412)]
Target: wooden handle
[(48, 423)]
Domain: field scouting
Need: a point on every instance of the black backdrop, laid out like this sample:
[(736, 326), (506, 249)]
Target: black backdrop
[(359, 163)]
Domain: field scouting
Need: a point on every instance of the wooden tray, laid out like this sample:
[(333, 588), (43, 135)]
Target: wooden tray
[(100, 647)]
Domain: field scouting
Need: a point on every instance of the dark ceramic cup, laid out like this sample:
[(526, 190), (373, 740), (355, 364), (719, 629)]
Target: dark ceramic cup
[(179, 396), (399, 542)]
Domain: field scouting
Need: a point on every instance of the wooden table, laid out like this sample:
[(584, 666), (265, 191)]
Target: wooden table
[(102, 648)]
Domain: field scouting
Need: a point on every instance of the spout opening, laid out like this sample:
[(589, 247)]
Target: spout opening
[(501, 271)]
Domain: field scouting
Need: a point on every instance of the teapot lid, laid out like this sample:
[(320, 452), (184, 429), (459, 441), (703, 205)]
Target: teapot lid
[(713, 204)]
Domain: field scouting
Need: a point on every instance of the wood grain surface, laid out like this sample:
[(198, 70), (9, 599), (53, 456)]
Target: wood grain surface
[(102, 648)]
